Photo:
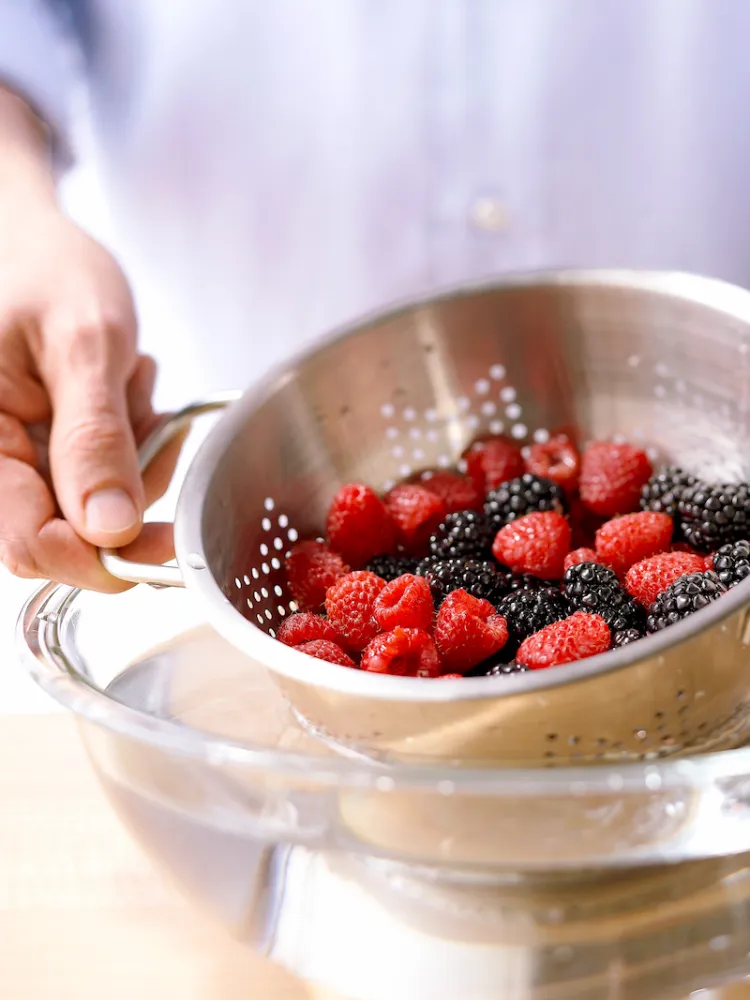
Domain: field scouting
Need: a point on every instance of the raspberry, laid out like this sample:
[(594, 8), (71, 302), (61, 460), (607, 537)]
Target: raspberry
[(683, 598), (359, 525), (708, 562), (451, 677), (404, 652), (468, 631), (407, 602), (612, 476), (321, 649), (417, 513), (535, 544), (493, 461), (350, 603), (311, 568), (457, 492), (630, 539), (647, 579), (464, 534), (305, 627), (556, 459), (521, 496), (575, 638), (578, 556), (391, 567)]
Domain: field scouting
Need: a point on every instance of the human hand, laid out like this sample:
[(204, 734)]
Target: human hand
[(75, 400)]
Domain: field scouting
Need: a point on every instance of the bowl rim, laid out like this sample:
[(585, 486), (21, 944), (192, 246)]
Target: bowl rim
[(289, 663), (43, 655)]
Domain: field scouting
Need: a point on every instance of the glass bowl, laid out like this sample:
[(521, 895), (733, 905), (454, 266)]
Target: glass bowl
[(388, 880)]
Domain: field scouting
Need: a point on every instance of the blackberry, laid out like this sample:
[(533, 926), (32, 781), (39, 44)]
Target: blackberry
[(713, 516), (625, 637), (665, 489), (505, 669), (524, 581), (477, 577), (688, 594), (528, 611), (595, 588), (466, 534), (391, 567), (732, 563), (524, 495)]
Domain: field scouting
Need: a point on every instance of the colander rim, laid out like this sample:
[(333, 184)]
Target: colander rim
[(232, 625), (48, 664)]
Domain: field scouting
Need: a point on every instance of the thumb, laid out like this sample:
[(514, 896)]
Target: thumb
[(93, 458)]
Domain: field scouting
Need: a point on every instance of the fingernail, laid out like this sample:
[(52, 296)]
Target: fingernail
[(110, 511)]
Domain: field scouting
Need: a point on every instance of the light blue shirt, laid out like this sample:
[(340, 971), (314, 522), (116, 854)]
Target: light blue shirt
[(274, 169)]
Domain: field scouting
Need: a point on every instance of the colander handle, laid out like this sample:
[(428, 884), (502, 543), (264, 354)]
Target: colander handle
[(154, 574)]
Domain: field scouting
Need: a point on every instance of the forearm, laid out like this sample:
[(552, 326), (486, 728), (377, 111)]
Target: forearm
[(26, 172)]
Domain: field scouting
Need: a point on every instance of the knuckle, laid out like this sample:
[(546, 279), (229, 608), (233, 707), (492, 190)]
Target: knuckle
[(18, 558), (98, 432)]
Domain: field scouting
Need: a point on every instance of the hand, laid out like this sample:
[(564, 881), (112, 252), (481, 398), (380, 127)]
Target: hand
[(70, 376)]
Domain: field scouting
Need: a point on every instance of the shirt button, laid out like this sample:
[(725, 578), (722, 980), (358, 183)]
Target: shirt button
[(489, 214)]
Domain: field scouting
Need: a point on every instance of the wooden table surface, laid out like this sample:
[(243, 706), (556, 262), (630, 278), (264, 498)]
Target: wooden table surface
[(83, 915)]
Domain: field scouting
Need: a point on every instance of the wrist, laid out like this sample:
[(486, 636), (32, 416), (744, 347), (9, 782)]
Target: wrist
[(26, 176)]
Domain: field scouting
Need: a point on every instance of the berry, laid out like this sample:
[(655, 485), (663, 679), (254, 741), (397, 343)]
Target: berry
[(404, 652), (523, 495), (535, 544), (466, 534), (713, 516), (732, 563), (684, 597), (482, 579), (664, 491), (612, 476), (468, 631), (592, 587), (417, 513), (556, 459), (493, 461), (528, 611), (524, 581), (407, 602), (391, 567), (451, 677), (311, 568), (321, 649), (359, 525), (580, 556), (305, 627), (630, 539), (625, 637), (575, 638), (506, 669), (350, 603), (647, 579), (457, 492)]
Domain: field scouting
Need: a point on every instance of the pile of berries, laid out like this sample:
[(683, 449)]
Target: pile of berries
[(527, 560)]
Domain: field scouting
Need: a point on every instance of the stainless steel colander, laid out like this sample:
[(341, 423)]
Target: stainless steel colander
[(658, 358)]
